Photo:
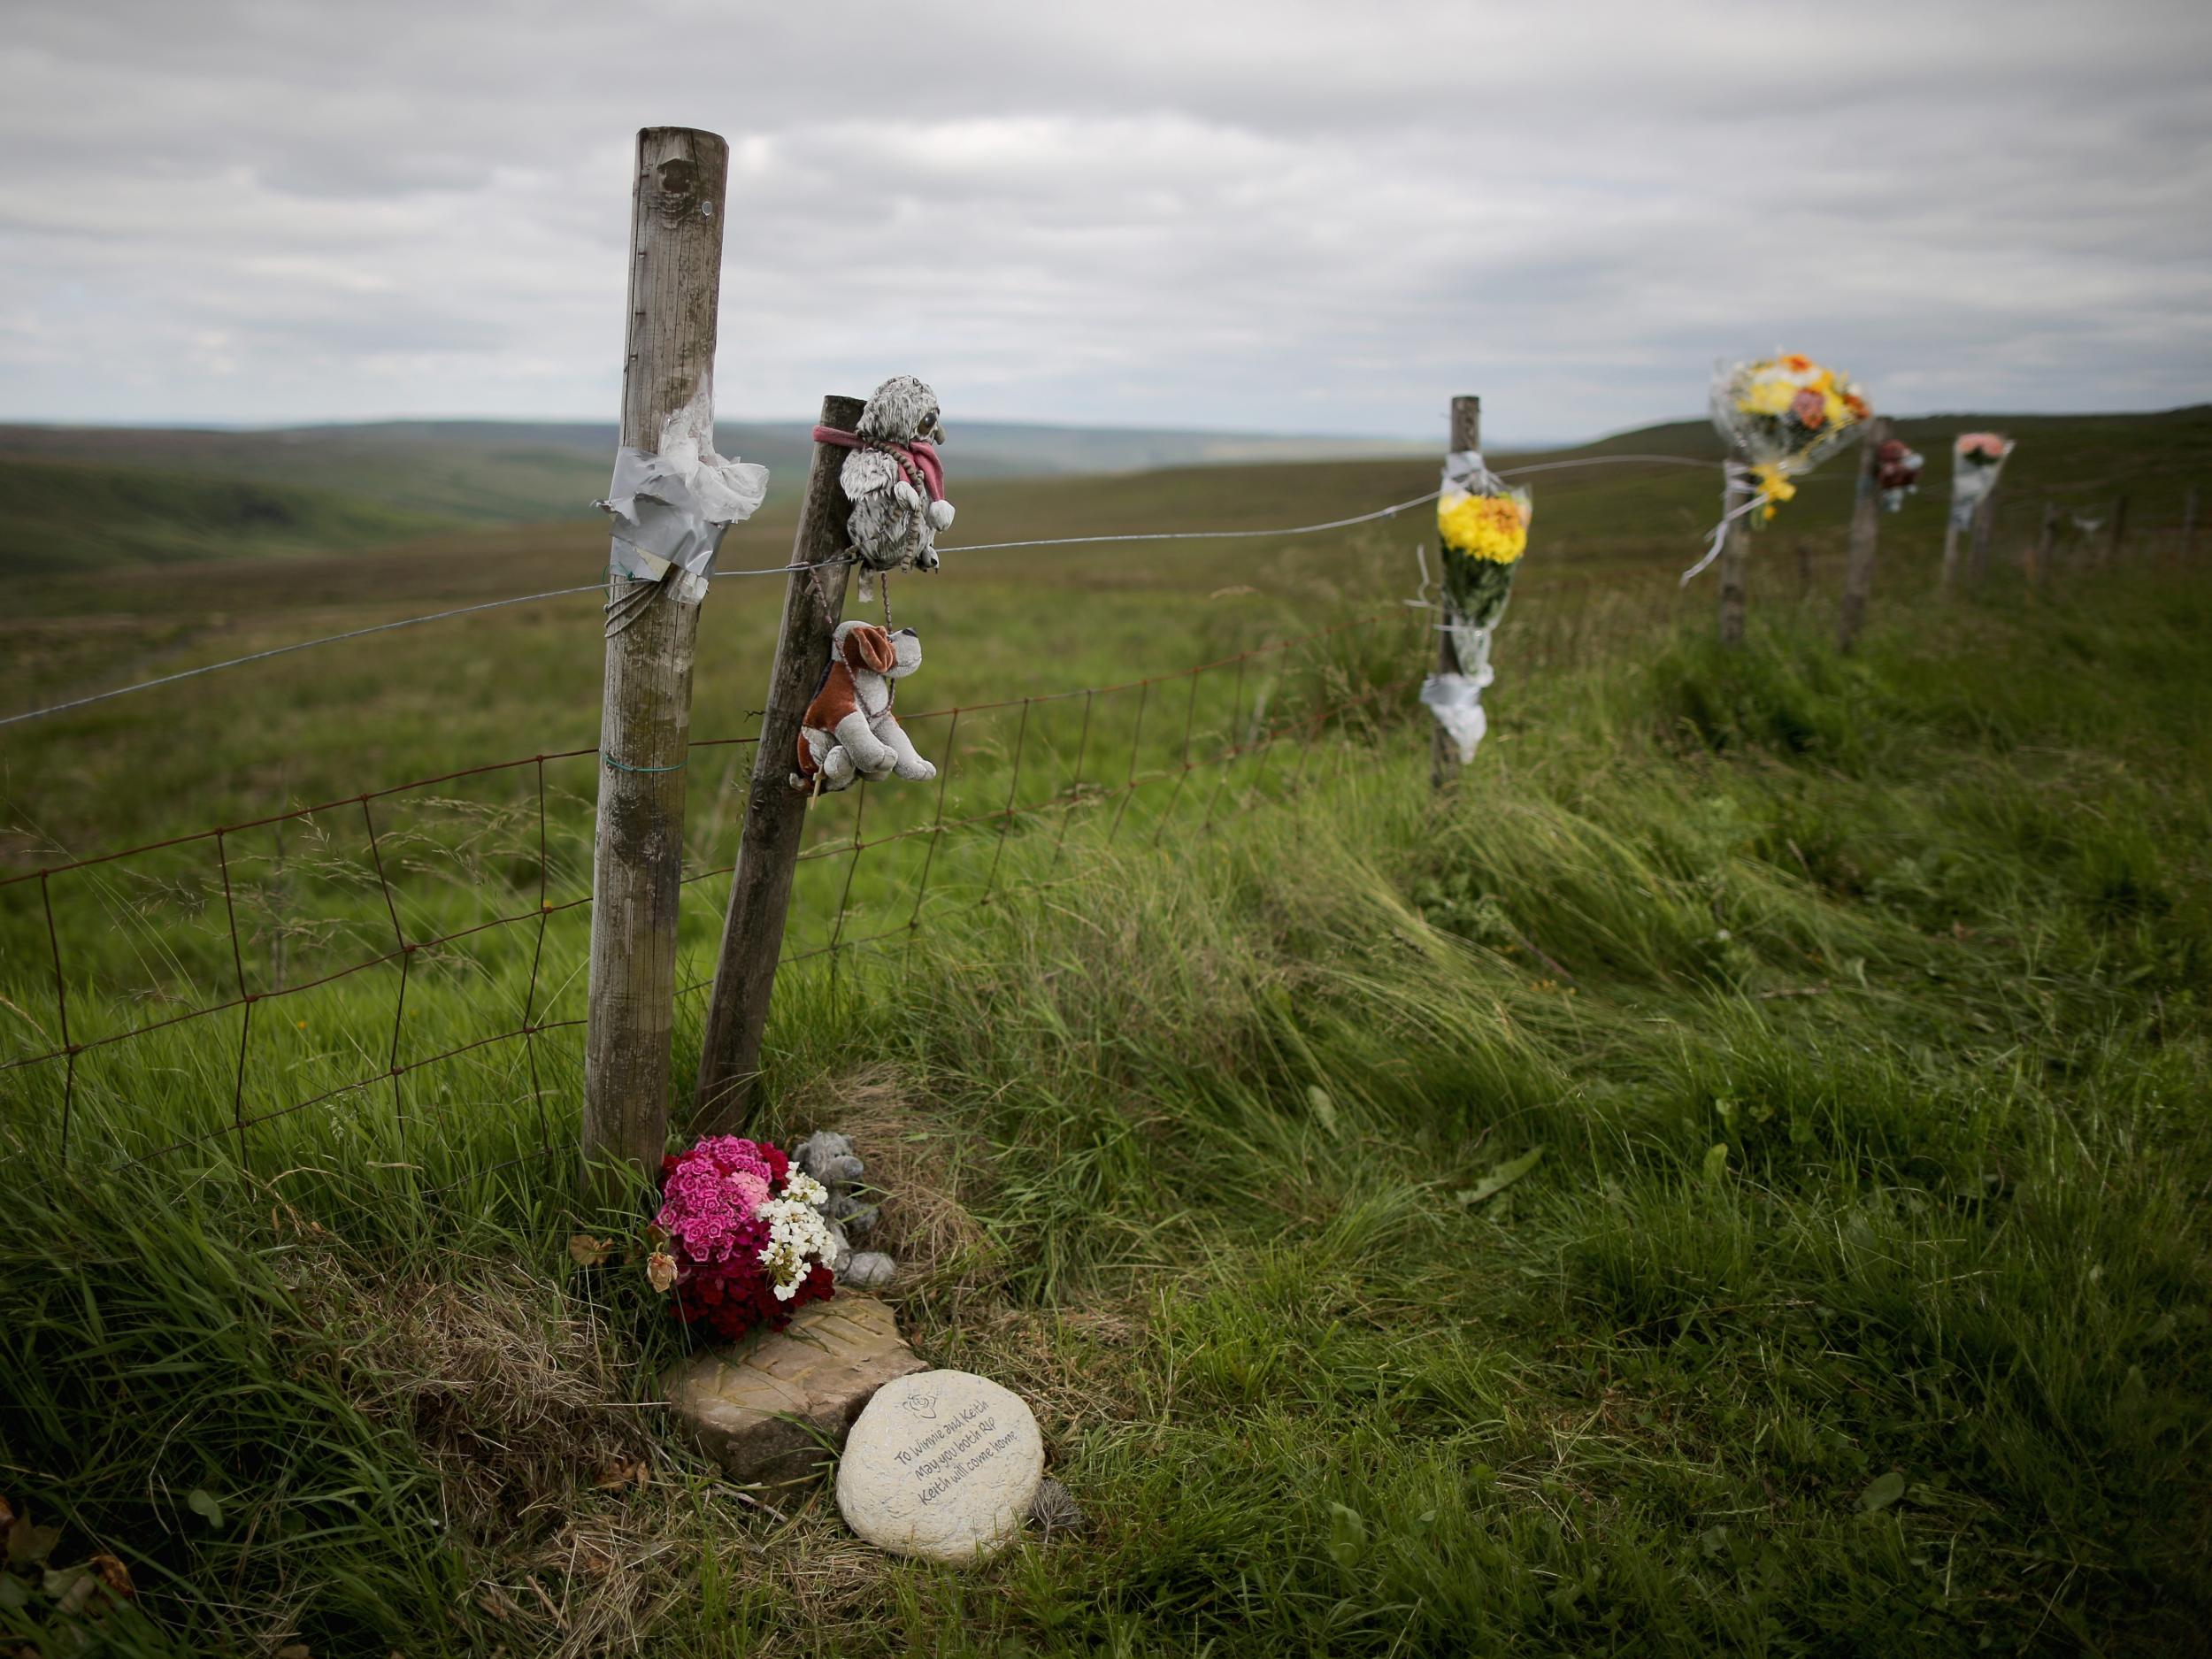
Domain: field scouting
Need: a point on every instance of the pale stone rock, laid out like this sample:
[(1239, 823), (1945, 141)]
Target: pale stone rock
[(943, 1465), (764, 1408), (868, 1269)]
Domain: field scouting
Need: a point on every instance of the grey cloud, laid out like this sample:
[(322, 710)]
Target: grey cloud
[(1300, 214)]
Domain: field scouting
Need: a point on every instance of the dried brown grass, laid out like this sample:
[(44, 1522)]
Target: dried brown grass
[(567, 1506), (920, 1170), (585, 1528)]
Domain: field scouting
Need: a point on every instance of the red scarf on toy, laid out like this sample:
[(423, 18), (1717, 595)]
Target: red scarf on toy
[(916, 461)]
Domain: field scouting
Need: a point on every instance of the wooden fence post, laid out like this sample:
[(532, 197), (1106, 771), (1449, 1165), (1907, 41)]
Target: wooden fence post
[(1950, 580), (1465, 433), (1735, 560), (2119, 531), (2044, 561), (1866, 530), (2189, 525), (775, 813), (645, 713), (1985, 523)]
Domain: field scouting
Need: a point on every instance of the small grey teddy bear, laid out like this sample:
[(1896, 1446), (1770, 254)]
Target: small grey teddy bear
[(830, 1159)]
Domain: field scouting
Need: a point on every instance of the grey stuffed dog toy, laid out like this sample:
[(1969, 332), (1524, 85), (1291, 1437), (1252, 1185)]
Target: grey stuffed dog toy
[(894, 480)]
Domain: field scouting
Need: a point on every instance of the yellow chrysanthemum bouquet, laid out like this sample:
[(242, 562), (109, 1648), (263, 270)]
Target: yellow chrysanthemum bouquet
[(1483, 527), (1482, 530)]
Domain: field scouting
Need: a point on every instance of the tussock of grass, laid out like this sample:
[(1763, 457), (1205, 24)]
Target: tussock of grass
[(1857, 1303)]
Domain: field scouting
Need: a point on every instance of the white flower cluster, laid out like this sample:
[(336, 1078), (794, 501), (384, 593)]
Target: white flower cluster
[(797, 1236)]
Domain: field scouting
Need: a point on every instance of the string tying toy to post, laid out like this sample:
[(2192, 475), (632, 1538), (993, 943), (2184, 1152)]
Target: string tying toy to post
[(894, 482), (1482, 531), (1780, 416)]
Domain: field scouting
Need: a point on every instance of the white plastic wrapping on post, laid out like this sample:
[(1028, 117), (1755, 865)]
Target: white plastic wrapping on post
[(1735, 482), (671, 508), (1456, 700)]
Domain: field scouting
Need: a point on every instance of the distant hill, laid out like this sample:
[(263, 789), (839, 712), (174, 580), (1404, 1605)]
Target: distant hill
[(97, 497), (76, 516), (518, 472)]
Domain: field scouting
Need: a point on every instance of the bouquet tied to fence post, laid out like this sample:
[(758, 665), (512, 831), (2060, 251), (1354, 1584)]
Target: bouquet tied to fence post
[(1780, 416), (1977, 458), (1897, 468), (1482, 531), (740, 1239)]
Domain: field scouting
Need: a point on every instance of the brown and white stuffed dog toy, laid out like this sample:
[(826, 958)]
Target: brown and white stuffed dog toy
[(849, 730)]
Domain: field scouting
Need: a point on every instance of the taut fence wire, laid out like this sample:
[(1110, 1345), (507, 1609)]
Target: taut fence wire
[(49, 710)]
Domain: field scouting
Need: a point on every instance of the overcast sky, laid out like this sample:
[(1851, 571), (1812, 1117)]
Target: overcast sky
[(1320, 218)]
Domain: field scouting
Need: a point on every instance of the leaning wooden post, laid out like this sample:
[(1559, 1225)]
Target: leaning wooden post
[(2119, 531), (1465, 433), (645, 712), (1866, 530), (775, 812), (2189, 525)]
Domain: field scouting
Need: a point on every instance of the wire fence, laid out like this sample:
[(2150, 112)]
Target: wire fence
[(88, 699), (428, 939), (356, 946)]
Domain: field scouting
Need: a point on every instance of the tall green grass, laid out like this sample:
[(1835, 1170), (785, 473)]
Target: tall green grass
[(1855, 1299)]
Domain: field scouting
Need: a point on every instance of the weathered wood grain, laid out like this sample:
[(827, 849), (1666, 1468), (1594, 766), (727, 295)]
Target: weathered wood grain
[(1734, 571), (1984, 524), (775, 812), (676, 218), (1866, 532)]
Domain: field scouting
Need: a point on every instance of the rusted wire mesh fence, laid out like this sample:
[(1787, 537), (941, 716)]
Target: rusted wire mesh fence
[(419, 947)]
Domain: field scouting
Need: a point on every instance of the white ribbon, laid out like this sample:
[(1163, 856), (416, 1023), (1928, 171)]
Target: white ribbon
[(1736, 480)]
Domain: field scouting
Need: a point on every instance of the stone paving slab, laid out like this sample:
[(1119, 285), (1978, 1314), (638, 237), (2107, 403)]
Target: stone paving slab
[(773, 1409)]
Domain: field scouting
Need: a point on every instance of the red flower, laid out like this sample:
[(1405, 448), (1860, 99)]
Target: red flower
[(1809, 409), (734, 1294)]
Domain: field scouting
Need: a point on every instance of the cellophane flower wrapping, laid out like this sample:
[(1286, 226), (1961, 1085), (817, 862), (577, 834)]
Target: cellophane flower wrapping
[(743, 1245), (1977, 459), (1781, 417), (1897, 469), (1482, 531)]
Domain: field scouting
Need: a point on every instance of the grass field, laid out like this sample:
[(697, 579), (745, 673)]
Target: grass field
[(1727, 1177)]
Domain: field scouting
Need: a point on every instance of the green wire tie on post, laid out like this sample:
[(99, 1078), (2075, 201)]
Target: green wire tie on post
[(625, 766)]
